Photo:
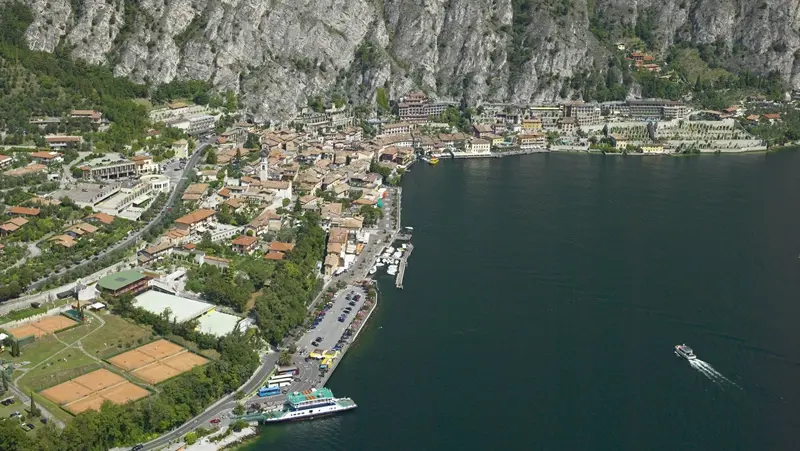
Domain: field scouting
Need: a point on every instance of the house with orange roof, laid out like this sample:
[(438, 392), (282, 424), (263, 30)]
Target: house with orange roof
[(244, 244), (23, 211), (12, 225), (46, 157), (195, 220)]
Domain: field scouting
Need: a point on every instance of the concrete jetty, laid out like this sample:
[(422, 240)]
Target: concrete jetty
[(401, 272)]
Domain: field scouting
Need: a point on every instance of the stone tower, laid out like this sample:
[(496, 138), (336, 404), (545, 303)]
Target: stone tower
[(263, 175)]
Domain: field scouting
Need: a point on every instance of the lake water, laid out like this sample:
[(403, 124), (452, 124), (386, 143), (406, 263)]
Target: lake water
[(545, 295)]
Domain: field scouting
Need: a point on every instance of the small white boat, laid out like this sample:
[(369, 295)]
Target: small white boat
[(373, 270), (379, 264), (685, 352)]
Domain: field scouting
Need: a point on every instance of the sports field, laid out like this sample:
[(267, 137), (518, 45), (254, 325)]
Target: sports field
[(157, 361), (91, 390), (44, 326)]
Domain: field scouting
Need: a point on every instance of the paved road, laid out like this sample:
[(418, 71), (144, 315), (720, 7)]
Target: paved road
[(173, 198), (222, 406)]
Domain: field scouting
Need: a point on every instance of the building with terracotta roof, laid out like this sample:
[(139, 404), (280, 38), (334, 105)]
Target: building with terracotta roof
[(102, 217), (272, 255), (80, 229), (46, 157), (61, 141), (63, 240), (23, 211), (244, 244), (25, 170), (278, 246), (12, 225), (195, 220), (266, 221)]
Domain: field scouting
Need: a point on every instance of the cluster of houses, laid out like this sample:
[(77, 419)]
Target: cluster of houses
[(321, 172)]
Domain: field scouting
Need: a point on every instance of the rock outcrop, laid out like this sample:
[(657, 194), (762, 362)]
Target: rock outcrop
[(276, 53)]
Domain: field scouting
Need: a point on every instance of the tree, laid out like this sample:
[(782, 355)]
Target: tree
[(34, 410), (190, 438), (5, 380), (15, 349), (211, 156), (238, 410), (285, 359)]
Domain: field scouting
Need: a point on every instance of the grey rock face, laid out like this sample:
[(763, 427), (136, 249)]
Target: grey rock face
[(277, 53)]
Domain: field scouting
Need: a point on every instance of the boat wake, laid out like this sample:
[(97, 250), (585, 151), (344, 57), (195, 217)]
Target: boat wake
[(713, 375)]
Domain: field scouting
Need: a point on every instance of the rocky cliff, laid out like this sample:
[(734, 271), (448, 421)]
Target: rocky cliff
[(276, 53)]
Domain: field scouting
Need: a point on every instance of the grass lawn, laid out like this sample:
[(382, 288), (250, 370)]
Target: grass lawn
[(212, 354), (117, 336), (34, 353)]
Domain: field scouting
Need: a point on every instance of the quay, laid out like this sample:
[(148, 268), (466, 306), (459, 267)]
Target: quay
[(402, 270)]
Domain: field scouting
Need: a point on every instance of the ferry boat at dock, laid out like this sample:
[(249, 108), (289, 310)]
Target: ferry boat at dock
[(308, 404)]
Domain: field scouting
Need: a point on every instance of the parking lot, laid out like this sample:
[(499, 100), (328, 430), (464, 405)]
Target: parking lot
[(330, 329)]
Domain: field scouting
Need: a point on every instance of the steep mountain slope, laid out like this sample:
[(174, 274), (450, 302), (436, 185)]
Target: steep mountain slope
[(276, 53)]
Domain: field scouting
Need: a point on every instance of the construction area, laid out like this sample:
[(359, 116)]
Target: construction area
[(157, 361), (44, 326), (91, 390)]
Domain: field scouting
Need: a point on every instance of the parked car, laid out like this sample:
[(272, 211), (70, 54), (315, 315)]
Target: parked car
[(314, 344), (353, 303), (341, 319), (30, 425)]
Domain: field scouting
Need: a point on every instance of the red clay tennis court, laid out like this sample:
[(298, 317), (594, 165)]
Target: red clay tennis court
[(118, 394), (90, 402), (92, 389), (131, 360), (184, 361), (122, 393), (157, 361), (98, 380), (160, 349), (67, 392), (44, 326), (155, 373)]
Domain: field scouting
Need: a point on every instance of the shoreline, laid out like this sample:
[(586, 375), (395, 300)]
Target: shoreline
[(631, 154)]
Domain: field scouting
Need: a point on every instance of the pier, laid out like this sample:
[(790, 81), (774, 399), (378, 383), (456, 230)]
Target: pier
[(401, 271)]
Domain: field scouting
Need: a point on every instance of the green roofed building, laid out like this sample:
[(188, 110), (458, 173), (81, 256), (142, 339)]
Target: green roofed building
[(123, 282)]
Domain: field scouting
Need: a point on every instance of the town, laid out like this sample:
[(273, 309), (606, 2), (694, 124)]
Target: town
[(212, 250)]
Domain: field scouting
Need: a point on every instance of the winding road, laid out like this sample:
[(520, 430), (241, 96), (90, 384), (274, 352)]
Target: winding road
[(132, 239)]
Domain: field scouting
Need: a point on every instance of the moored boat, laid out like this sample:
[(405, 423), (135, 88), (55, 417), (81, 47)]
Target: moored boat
[(308, 404)]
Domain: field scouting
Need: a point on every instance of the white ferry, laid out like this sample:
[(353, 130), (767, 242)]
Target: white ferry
[(308, 404)]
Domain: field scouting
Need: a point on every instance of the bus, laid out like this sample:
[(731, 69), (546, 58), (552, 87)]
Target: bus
[(279, 385), (283, 370), (269, 391), (284, 378)]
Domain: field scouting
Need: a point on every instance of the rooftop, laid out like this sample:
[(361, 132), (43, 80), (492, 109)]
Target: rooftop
[(120, 280), (182, 309), (196, 216), (217, 323)]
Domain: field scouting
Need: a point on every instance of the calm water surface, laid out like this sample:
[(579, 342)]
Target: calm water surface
[(546, 292)]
